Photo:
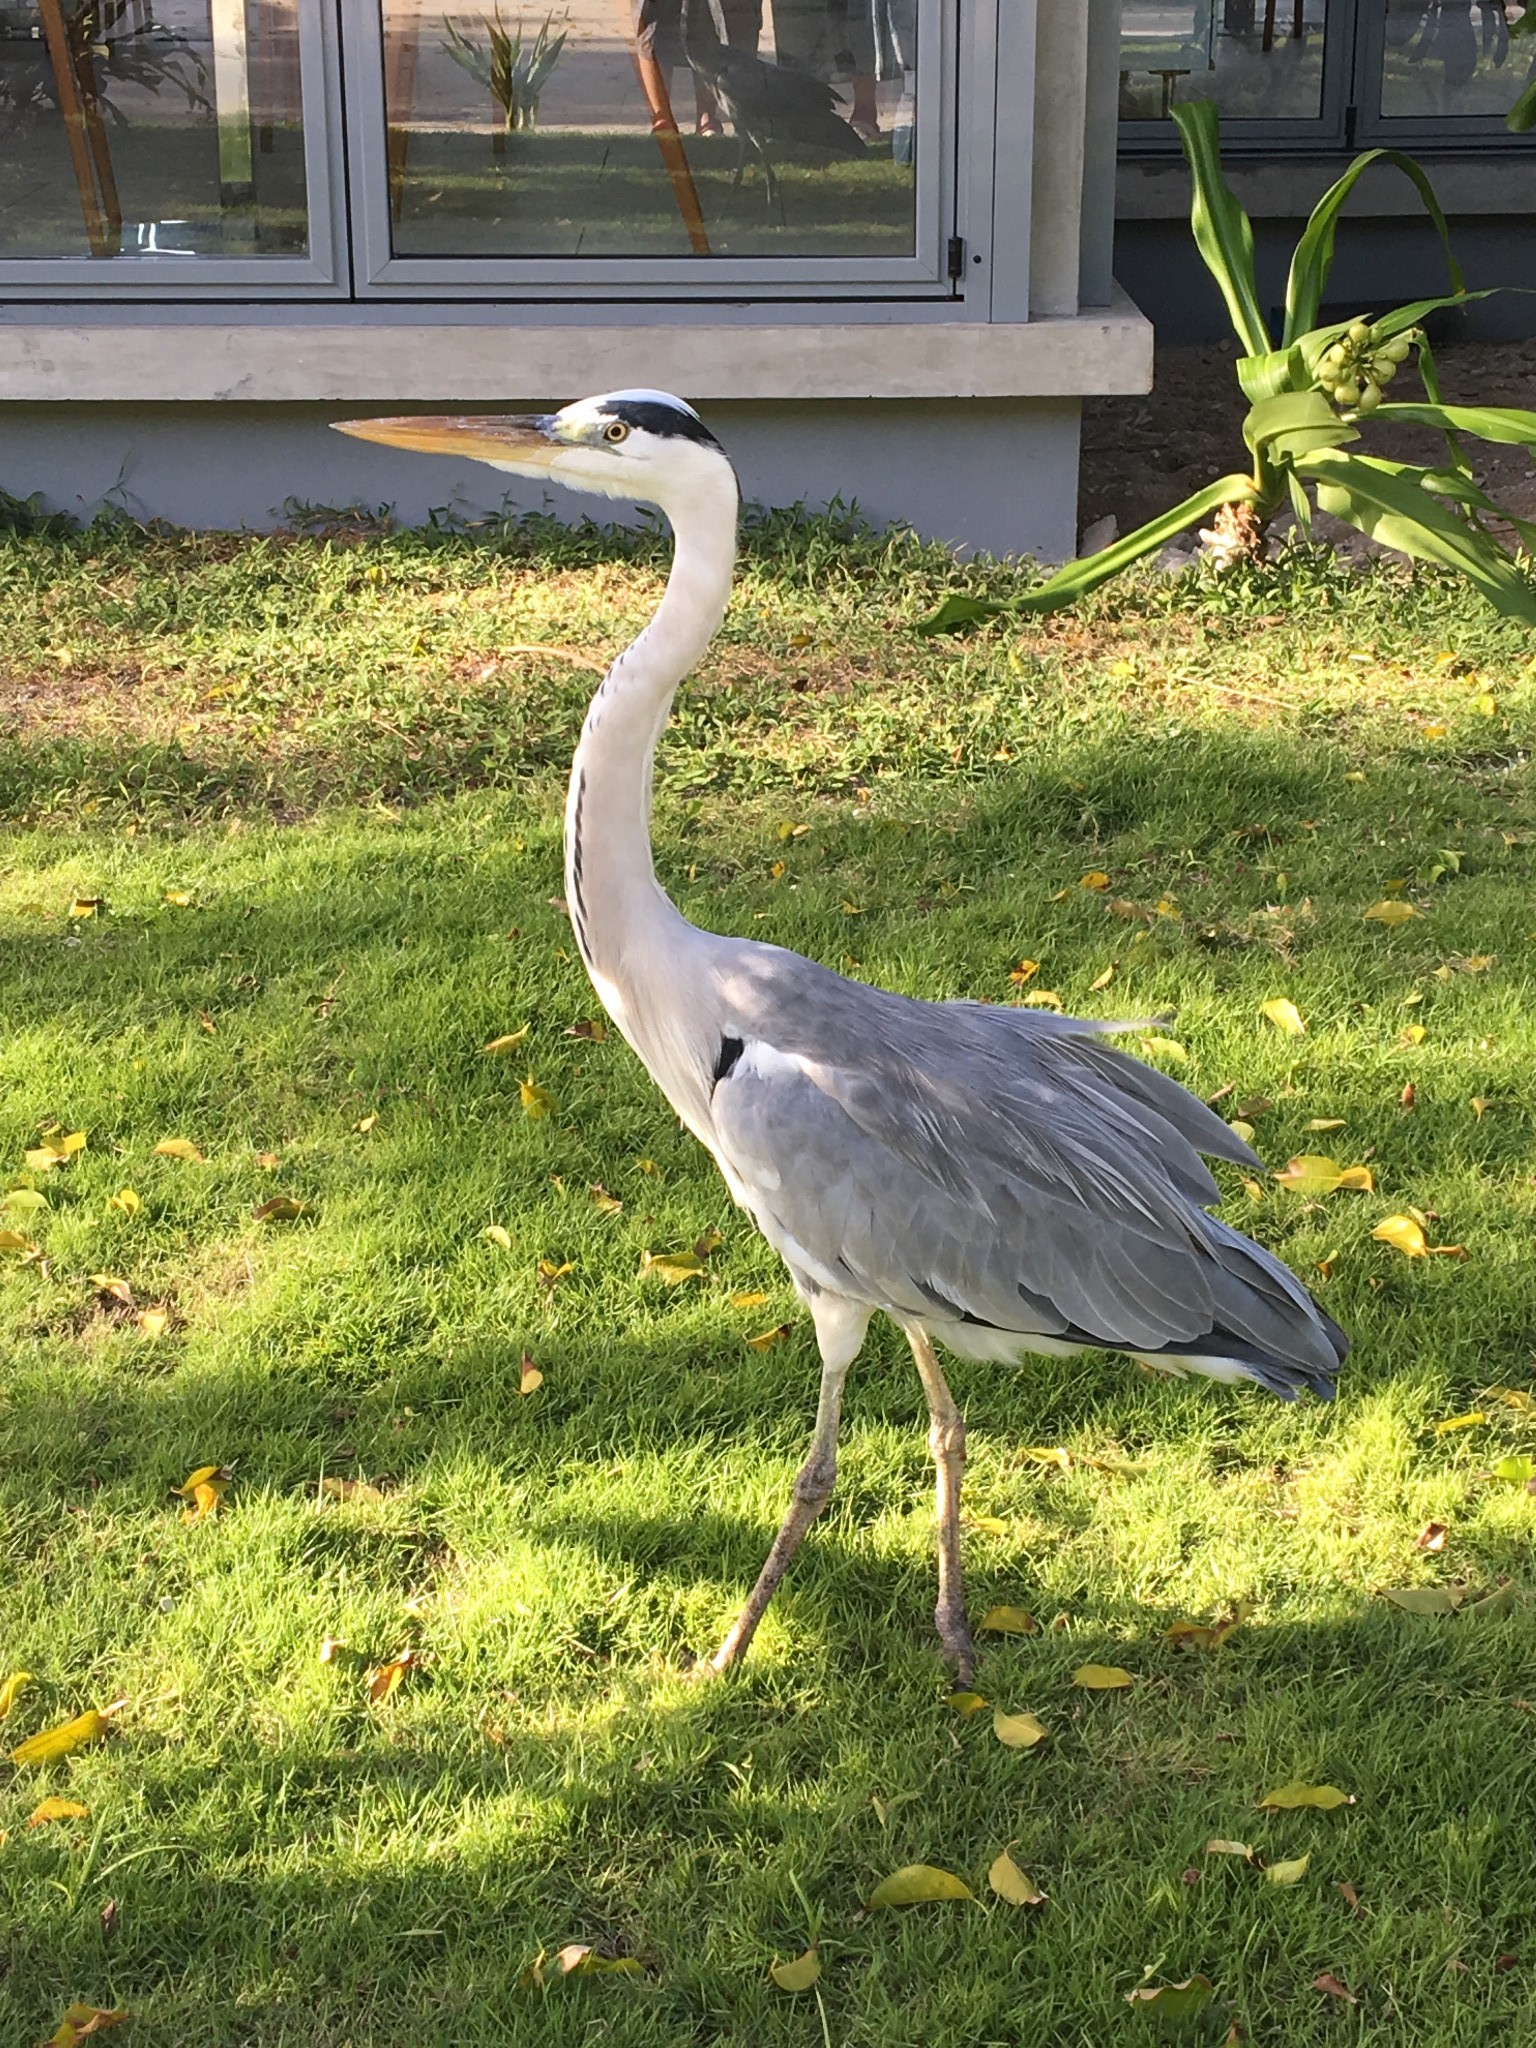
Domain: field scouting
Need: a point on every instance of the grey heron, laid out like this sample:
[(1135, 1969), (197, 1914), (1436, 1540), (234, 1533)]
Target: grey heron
[(998, 1181), (767, 104)]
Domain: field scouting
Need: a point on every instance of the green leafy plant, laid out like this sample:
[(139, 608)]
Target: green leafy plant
[(514, 72), (1308, 397)]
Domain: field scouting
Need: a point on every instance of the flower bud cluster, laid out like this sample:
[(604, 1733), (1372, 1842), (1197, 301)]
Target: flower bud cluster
[(1354, 371)]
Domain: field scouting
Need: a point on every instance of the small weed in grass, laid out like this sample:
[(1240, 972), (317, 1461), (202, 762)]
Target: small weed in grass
[(411, 1702)]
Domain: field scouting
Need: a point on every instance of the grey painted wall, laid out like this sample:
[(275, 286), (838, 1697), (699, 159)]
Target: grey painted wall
[(995, 475), (1380, 262)]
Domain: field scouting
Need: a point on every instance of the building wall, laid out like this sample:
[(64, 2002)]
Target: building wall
[(991, 475)]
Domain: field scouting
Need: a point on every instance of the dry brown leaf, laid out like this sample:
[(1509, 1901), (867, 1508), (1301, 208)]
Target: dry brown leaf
[(333, 1487), (1431, 1537), (1330, 1986), (81, 2021), (383, 1681)]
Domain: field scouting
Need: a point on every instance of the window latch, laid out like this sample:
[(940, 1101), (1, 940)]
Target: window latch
[(956, 258)]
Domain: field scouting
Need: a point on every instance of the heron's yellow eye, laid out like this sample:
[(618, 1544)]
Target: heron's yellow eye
[(617, 431)]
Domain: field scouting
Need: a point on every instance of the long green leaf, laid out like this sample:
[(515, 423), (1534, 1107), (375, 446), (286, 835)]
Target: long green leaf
[(1266, 376), (1521, 118), (1078, 578), (959, 611), (1386, 501), (1313, 259), (1488, 422), (1223, 232)]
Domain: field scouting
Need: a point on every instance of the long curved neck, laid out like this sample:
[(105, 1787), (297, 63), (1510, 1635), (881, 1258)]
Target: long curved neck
[(619, 911)]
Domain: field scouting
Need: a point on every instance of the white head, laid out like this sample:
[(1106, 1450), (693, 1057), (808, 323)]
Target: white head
[(641, 445)]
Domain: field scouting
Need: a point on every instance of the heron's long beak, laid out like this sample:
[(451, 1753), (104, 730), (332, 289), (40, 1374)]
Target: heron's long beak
[(525, 440)]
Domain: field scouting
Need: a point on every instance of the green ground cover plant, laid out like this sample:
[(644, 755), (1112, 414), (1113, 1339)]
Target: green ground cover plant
[(281, 843)]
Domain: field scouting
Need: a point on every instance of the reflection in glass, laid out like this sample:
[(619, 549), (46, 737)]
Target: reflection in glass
[(1446, 57), (652, 128), (1259, 60), (164, 128)]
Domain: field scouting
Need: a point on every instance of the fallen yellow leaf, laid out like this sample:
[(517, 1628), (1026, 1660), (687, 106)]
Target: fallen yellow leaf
[(1102, 1677), (749, 1300), (498, 1234), (1288, 1873), (64, 1740), (365, 1124), (507, 1042), (1390, 910), (918, 1884), (87, 906), (967, 1703), (154, 1322), (56, 1151), (119, 1290), (1174, 2001), (1287, 1797), (798, 1975), (1024, 973), (550, 1274), (672, 1267), (604, 1203), (1044, 999), (1219, 1846), (1016, 1731), (530, 1378), (126, 1200), (1104, 979), (11, 1690), (1009, 1882), (1324, 1123), (277, 1209), (1008, 1621), (536, 1101), (1403, 1234), (178, 1148), (1456, 1422), (1283, 1013), (768, 1338), (1412, 1034), (1094, 879), (56, 1809), (1166, 1049)]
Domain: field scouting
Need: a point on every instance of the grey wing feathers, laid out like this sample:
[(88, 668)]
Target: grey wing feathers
[(1001, 1168)]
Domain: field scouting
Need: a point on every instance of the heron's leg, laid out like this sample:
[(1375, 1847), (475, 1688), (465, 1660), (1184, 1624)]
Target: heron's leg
[(946, 1440), (840, 1328)]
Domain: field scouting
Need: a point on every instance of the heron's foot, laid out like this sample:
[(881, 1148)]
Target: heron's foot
[(955, 1635)]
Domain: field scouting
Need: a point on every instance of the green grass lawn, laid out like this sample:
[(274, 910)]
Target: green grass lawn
[(347, 754)]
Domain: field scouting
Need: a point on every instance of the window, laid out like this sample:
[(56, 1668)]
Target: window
[(666, 146), (151, 141), (1325, 73), (463, 149)]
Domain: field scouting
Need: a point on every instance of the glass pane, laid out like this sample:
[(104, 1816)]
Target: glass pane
[(1452, 57), (1259, 60), (128, 128), (653, 128)]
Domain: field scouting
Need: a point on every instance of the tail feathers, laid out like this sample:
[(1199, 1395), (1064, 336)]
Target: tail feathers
[(1223, 1355)]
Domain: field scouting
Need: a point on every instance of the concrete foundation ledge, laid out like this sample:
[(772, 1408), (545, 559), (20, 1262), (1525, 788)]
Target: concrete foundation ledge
[(320, 357)]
